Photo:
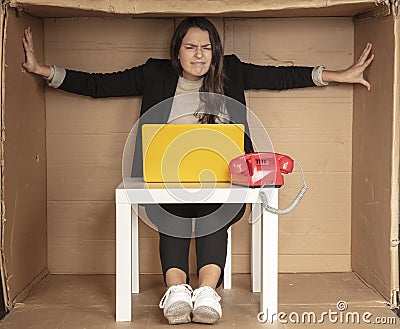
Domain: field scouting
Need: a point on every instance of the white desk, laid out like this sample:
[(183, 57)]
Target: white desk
[(264, 265)]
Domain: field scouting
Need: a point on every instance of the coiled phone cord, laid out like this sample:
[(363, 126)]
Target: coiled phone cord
[(292, 205)]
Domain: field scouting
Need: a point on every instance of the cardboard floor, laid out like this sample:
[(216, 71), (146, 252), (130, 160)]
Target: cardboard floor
[(87, 301)]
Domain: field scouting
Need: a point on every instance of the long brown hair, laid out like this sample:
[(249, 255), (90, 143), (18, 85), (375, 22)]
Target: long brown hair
[(214, 79)]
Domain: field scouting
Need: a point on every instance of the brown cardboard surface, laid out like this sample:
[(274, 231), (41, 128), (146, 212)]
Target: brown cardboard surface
[(25, 246), (72, 301), (394, 236), (313, 125), (372, 159), (86, 138), (275, 8)]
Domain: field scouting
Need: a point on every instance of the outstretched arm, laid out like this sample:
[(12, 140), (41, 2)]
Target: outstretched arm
[(129, 82), (354, 73), (288, 77)]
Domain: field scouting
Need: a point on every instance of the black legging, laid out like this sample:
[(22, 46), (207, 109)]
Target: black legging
[(209, 225)]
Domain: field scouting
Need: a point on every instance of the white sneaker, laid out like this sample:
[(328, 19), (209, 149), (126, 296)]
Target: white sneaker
[(206, 308), (177, 303)]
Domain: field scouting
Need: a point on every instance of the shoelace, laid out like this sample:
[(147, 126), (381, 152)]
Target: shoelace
[(206, 290), (174, 288)]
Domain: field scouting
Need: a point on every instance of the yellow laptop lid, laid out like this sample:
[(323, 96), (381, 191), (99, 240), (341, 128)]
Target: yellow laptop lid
[(190, 152)]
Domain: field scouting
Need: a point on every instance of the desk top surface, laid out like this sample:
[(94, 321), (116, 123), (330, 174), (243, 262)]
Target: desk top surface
[(135, 190), (140, 184)]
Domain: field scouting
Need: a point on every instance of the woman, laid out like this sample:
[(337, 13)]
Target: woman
[(197, 64)]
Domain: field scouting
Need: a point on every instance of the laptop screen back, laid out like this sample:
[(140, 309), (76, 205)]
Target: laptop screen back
[(190, 152)]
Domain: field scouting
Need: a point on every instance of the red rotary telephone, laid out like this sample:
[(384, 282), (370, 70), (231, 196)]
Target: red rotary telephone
[(260, 168), (265, 169)]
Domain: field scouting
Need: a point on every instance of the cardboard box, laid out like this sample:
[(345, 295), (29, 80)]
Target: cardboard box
[(61, 153)]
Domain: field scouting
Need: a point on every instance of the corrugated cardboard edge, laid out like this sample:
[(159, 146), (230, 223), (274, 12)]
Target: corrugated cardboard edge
[(394, 237), (138, 7), (3, 19)]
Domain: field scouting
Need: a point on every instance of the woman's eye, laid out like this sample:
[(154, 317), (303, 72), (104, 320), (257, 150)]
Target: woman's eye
[(207, 48)]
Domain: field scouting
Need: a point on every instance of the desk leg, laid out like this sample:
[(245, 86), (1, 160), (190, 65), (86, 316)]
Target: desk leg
[(123, 262), (269, 261), (228, 262), (256, 246), (135, 249)]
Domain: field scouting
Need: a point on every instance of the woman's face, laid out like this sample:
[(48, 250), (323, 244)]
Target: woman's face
[(195, 54)]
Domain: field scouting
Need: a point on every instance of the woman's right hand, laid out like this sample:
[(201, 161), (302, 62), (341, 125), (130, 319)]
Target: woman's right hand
[(31, 64)]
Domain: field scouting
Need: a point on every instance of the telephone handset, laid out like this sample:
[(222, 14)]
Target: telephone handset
[(263, 169)]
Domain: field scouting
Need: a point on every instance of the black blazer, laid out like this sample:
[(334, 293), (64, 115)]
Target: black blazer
[(156, 81)]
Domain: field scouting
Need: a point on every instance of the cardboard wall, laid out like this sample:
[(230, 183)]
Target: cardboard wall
[(25, 240), (85, 139), (312, 125), (372, 158)]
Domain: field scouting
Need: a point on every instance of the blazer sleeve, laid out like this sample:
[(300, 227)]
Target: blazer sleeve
[(275, 77), (129, 82)]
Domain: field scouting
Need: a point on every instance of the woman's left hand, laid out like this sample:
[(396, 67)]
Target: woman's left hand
[(354, 73)]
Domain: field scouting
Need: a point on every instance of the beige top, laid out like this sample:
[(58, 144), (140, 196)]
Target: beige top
[(187, 101)]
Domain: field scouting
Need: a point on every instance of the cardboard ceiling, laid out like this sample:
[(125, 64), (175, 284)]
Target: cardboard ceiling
[(232, 8)]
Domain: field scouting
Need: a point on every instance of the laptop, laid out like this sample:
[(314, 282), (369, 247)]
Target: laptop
[(190, 152)]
